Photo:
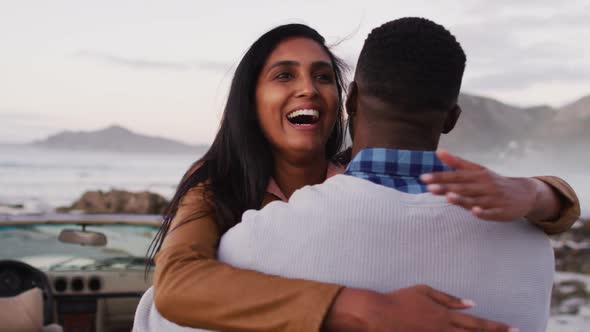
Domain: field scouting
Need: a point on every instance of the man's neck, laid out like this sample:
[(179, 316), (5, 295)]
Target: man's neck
[(401, 137), (378, 125)]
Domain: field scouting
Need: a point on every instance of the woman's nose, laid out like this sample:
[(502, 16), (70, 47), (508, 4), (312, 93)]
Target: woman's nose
[(307, 87)]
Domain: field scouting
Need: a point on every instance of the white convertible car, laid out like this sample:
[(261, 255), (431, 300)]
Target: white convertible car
[(73, 272)]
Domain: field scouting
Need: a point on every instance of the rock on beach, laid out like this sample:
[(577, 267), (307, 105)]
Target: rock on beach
[(118, 201)]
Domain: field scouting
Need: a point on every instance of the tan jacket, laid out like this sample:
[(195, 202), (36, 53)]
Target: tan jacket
[(193, 289)]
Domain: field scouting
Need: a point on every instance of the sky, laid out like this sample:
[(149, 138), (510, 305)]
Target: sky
[(163, 67)]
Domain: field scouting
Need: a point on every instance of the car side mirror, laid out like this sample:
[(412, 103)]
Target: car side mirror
[(83, 237)]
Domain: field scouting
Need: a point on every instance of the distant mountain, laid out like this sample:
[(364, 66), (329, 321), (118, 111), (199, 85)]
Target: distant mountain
[(114, 138), (497, 130), (569, 128), (579, 108), (487, 125)]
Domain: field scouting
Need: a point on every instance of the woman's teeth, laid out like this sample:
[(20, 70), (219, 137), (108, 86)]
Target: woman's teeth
[(304, 117)]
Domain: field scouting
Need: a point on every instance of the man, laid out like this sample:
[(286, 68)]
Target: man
[(376, 227), (380, 236)]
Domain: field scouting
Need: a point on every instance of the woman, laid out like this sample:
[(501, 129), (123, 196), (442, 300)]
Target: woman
[(281, 130)]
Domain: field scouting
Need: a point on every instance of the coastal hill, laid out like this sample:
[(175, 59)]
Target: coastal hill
[(114, 138), (570, 127), (490, 126), (486, 126)]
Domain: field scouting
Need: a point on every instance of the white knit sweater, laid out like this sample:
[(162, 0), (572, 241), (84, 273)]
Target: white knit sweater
[(356, 233), (352, 232)]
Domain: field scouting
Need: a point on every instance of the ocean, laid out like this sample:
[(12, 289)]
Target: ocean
[(43, 179)]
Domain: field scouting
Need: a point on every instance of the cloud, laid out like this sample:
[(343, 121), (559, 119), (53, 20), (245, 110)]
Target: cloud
[(13, 114), (507, 8), (525, 77), (518, 51), (138, 63), (212, 65), (24, 126)]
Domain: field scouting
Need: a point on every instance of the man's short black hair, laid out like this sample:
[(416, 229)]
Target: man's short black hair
[(412, 63)]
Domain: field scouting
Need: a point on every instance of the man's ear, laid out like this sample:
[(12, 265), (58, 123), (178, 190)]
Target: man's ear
[(452, 118), (351, 102), (351, 99)]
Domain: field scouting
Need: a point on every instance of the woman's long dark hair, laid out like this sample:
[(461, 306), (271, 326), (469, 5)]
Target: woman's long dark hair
[(235, 171)]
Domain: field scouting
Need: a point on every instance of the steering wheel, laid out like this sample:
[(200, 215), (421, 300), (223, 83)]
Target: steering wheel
[(17, 277)]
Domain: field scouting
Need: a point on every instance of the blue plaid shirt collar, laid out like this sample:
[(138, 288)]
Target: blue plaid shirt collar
[(397, 169)]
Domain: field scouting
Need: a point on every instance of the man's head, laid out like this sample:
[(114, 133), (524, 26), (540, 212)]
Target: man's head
[(409, 69)]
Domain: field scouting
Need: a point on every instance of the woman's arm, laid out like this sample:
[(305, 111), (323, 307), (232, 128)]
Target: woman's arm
[(192, 288), (548, 202), (569, 204)]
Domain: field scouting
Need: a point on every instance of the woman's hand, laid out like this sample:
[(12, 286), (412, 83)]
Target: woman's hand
[(491, 196), (418, 308)]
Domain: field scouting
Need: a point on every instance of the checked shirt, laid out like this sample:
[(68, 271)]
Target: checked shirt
[(397, 169)]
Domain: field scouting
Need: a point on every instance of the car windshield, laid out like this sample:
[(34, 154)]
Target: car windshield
[(38, 245)]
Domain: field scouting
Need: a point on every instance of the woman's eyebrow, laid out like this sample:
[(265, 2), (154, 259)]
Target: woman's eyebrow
[(292, 63), (321, 64), (284, 63)]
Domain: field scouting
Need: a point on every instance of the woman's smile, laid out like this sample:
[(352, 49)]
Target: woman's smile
[(304, 117), (297, 98)]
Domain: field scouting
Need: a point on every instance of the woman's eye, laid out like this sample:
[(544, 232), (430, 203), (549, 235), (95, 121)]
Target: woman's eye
[(283, 76), (325, 78)]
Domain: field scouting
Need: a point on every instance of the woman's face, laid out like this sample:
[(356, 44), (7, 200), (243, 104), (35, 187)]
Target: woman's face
[(297, 98)]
